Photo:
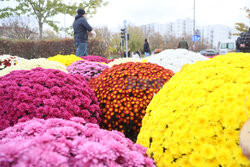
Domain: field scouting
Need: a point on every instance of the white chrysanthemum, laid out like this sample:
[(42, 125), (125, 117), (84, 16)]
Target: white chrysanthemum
[(20, 59), (174, 59), (123, 60), (24, 64)]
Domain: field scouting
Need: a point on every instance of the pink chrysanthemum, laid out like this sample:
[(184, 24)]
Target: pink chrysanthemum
[(58, 142), (87, 69), (45, 93), (95, 58)]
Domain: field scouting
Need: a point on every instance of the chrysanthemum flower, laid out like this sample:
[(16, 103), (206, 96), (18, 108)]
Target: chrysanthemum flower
[(198, 114), (95, 58), (124, 91), (123, 60), (175, 59), (87, 69), (25, 64), (7, 61), (45, 93), (66, 60), (58, 142)]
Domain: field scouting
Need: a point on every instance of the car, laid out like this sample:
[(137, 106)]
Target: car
[(209, 52), (227, 46)]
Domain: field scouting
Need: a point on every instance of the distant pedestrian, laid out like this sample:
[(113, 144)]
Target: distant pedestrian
[(245, 42), (124, 53), (146, 48), (81, 28), (138, 52), (183, 44)]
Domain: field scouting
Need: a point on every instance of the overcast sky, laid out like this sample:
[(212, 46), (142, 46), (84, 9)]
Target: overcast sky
[(139, 12)]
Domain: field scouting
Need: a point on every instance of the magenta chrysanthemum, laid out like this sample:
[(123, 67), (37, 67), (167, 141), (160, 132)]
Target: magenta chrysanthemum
[(95, 58), (45, 93), (58, 142), (87, 69)]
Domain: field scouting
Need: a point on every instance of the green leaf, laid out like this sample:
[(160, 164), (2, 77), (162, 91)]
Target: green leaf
[(44, 10)]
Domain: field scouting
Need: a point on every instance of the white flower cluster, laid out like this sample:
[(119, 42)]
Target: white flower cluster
[(175, 59), (24, 64), (123, 60), (7, 61)]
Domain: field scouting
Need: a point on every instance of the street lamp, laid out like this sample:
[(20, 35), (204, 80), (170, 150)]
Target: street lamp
[(194, 25)]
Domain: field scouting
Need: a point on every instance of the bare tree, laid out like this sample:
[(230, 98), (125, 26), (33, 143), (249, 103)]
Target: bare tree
[(17, 28), (103, 33), (49, 34)]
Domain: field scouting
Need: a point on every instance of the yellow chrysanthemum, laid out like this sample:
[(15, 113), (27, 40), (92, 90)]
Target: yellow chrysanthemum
[(144, 60), (197, 115), (208, 151), (196, 159), (66, 60)]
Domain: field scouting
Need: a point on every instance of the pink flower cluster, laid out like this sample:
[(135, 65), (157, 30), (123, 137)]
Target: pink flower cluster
[(87, 69), (95, 58), (45, 93), (68, 143)]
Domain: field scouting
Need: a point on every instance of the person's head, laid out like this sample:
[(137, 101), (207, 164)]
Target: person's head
[(81, 12), (249, 29), (241, 34), (183, 38), (146, 40)]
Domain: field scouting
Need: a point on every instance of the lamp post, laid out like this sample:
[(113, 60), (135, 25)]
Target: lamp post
[(194, 26)]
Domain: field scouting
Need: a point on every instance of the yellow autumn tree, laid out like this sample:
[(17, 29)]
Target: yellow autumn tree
[(242, 27)]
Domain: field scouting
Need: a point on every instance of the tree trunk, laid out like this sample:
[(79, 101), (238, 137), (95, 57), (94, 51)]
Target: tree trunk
[(40, 29)]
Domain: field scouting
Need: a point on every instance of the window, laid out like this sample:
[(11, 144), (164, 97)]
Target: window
[(231, 45), (223, 45)]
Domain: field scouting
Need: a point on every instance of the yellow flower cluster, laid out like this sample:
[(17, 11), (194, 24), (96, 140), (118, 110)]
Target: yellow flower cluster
[(195, 119), (66, 60), (144, 60)]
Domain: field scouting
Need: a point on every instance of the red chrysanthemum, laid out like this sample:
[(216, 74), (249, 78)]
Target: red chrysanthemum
[(124, 91)]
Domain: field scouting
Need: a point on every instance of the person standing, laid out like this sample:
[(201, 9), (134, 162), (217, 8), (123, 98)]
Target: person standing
[(183, 44), (146, 48), (238, 42), (245, 42), (81, 28)]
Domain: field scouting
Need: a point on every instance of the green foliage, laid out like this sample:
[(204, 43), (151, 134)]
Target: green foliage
[(114, 48), (242, 27), (137, 38), (45, 10)]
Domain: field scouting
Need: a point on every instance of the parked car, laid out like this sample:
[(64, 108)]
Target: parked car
[(209, 53), (226, 46)]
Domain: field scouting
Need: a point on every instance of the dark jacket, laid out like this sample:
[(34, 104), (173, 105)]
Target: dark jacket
[(146, 47), (238, 41), (81, 28), (246, 39), (183, 44)]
